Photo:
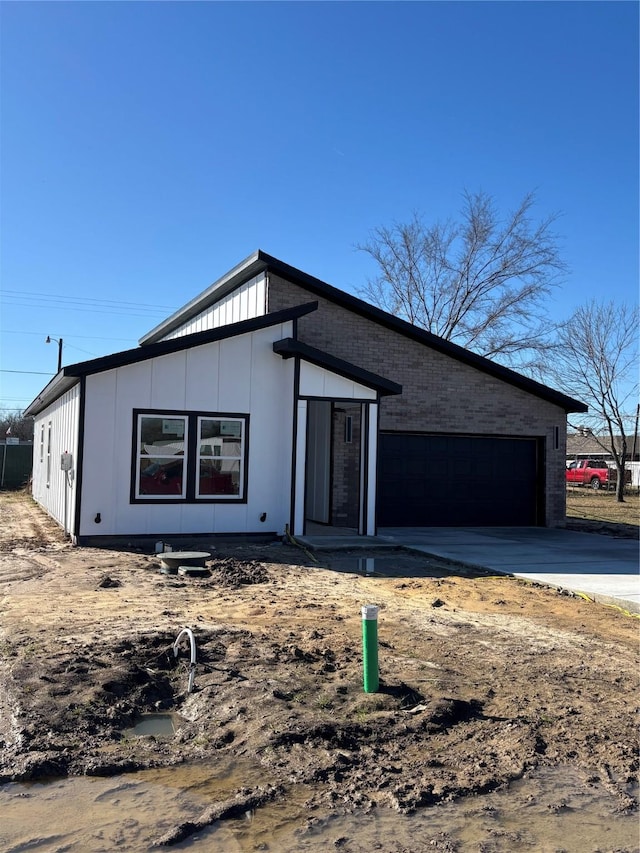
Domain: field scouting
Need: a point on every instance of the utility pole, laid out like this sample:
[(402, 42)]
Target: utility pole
[(59, 341)]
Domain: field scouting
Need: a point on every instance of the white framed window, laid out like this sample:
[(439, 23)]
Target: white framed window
[(41, 443), (162, 445), (49, 454), (220, 457), (189, 457)]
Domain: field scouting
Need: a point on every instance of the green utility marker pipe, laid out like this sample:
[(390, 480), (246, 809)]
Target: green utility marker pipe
[(370, 647)]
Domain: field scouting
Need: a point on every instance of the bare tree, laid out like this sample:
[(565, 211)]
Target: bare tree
[(14, 424), (596, 360), (480, 282)]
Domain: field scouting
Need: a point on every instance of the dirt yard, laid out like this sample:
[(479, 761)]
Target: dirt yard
[(482, 678), (600, 512)]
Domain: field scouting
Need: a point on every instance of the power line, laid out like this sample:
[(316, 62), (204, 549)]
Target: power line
[(59, 297), (64, 335), (67, 345), (68, 307), (34, 372)]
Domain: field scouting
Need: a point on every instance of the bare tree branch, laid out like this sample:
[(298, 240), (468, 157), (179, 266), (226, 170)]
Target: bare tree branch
[(597, 361), (480, 282), (16, 425)]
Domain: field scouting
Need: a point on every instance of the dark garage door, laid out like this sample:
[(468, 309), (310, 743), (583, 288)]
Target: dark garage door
[(456, 481)]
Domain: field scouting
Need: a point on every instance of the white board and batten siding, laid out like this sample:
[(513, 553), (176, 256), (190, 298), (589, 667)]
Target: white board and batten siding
[(244, 303), (240, 375), (55, 433), (318, 382)]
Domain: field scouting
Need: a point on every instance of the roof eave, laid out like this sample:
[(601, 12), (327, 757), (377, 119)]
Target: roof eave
[(359, 306), (232, 330), (242, 272), (290, 347), (259, 261), (73, 372), (60, 383)]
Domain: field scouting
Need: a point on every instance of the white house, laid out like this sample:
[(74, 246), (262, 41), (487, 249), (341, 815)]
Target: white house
[(273, 399), (192, 435)]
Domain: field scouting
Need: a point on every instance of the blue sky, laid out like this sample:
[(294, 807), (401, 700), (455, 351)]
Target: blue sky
[(146, 148)]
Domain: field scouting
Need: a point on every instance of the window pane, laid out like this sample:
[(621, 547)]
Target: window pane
[(219, 477), (159, 476), (161, 436), (216, 447), (220, 437)]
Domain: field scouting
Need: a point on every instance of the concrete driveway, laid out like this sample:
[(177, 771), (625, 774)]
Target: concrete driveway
[(604, 568)]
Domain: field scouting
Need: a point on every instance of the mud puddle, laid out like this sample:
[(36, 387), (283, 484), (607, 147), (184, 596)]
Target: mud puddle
[(158, 725), (547, 811)]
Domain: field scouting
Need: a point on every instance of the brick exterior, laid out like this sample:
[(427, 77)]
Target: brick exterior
[(440, 394), (346, 467)]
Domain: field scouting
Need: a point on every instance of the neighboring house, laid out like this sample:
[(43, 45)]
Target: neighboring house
[(583, 445), (274, 400)]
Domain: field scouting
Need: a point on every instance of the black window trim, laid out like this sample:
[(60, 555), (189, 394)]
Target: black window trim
[(191, 459), (49, 433)]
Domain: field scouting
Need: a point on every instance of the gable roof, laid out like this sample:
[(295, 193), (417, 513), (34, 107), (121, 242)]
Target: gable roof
[(71, 374), (260, 261), (586, 444)]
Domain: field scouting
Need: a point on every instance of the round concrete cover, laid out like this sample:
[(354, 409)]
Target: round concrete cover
[(173, 559)]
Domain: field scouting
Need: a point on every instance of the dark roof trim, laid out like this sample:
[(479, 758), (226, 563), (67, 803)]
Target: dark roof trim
[(240, 274), (370, 312), (259, 261), (288, 348), (132, 356), (54, 389), (69, 375)]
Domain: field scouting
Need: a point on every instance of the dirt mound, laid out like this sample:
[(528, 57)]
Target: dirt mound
[(231, 572)]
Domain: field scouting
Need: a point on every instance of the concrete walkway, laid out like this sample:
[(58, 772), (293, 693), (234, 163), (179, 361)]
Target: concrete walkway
[(604, 568)]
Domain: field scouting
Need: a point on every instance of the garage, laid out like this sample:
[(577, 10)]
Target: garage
[(459, 481)]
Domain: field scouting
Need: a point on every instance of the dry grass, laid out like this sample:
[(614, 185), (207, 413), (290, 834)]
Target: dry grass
[(602, 506)]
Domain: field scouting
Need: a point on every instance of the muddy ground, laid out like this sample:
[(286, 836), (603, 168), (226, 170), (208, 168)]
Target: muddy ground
[(482, 678)]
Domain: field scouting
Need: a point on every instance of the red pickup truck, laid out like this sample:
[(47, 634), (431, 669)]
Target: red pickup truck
[(589, 472)]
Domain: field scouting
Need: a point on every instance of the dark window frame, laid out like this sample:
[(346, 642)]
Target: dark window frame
[(348, 429), (190, 459), (49, 433)]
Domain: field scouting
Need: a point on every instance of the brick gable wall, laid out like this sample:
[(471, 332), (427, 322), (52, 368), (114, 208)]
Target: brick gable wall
[(440, 394)]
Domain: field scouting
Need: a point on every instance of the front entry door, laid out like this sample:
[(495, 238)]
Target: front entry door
[(318, 487)]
